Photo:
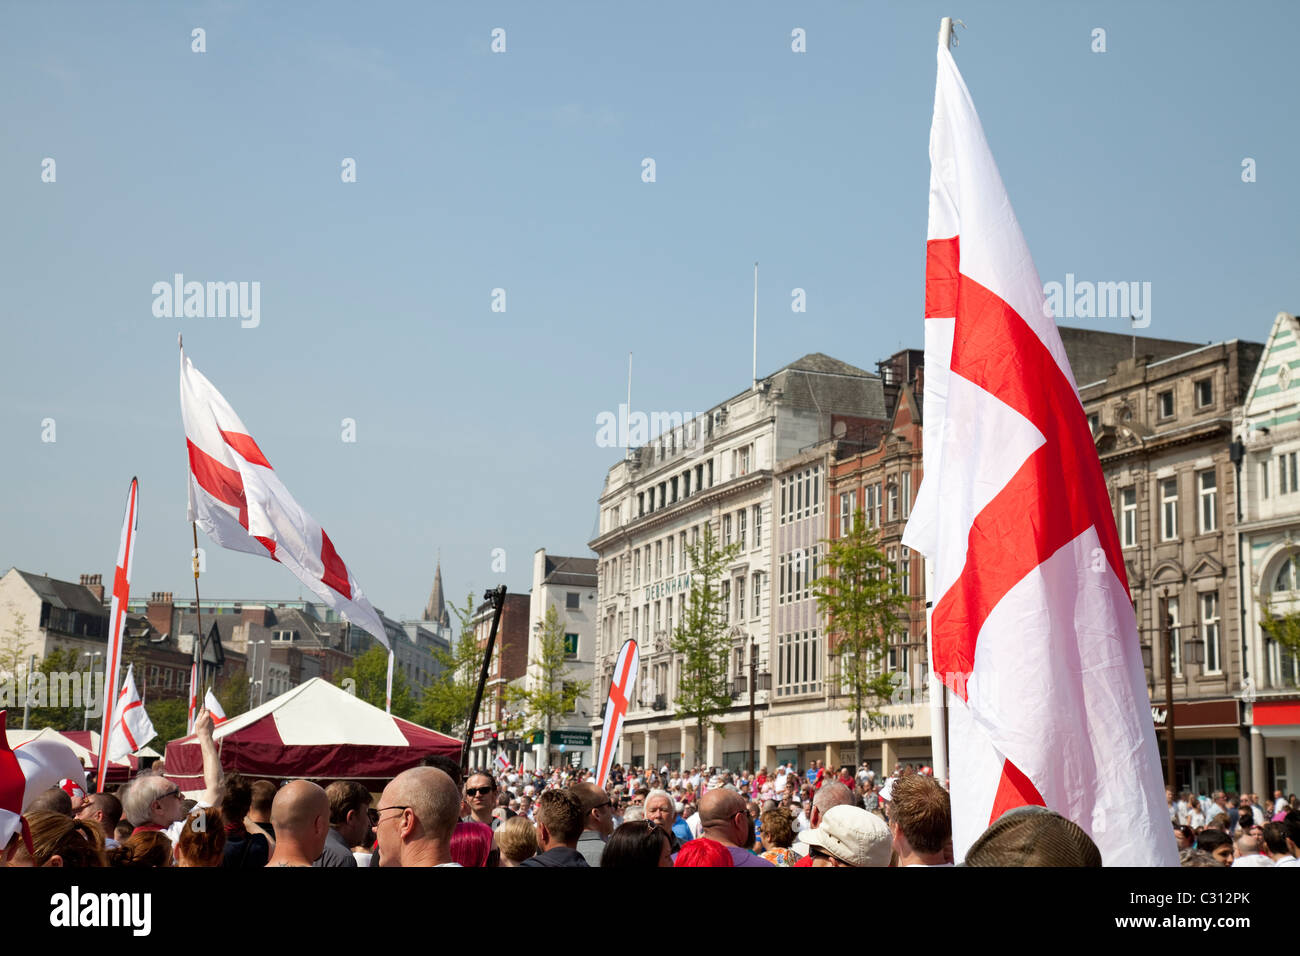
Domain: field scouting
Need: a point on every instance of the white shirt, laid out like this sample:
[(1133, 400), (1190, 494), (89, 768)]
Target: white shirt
[(1289, 861), (693, 821), (1279, 804)]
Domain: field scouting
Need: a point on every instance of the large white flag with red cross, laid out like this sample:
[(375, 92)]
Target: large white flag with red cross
[(620, 691), (239, 501), (1032, 627)]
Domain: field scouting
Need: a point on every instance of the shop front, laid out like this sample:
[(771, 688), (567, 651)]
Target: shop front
[(1275, 744), (1208, 744)]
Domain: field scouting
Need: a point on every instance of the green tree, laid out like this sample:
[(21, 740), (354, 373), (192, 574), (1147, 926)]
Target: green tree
[(1283, 628), (550, 694), (701, 638), (169, 718), (57, 684), (369, 672), (447, 701), (231, 691), (860, 599), (15, 649)]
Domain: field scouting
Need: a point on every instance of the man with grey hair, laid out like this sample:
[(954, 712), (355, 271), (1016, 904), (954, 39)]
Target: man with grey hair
[(833, 794), (418, 812), (152, 802)]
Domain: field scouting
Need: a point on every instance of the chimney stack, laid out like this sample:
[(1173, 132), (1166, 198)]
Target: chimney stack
[(95, 584), (159, 611)]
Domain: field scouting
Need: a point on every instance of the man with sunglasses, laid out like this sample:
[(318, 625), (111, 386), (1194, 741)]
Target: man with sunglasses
[(597, 819), (417, 815), (152, 802), (481, 798)]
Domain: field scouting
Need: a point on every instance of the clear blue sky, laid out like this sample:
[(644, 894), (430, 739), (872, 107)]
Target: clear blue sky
[(476, 430)]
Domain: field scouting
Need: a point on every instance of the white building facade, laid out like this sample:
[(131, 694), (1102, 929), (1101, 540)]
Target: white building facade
[(716, 469), (569, 586), (1269, 430)]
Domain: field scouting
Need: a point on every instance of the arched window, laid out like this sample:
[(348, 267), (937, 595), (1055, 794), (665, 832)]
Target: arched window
[(1286, 576)]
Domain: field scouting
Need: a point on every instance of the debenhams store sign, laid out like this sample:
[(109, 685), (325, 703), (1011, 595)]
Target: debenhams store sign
[(667, 588)]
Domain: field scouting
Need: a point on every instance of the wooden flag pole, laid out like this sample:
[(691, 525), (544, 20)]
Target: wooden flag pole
[(199, 641)]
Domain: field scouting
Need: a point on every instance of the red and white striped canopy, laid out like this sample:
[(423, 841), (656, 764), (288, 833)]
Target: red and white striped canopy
[(314, 731)]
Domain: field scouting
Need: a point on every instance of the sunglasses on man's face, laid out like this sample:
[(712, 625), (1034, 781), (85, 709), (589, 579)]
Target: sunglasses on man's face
[(478, 791)]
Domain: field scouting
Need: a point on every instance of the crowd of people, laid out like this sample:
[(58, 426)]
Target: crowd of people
[(1227, 829), (437, 815)]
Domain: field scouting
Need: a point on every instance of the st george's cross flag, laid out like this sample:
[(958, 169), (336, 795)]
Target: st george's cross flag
[(117, 621), (1032, 628), (214, 707), (132, 728), (620, 692), (238, 500)]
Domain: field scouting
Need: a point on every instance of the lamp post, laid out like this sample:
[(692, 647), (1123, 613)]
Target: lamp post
[(757, 681), (85, 717), (1168, 637), (252, 668)]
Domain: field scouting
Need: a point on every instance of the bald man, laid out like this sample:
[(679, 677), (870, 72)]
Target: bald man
[(724, 818), (418, 812), (300, 814)]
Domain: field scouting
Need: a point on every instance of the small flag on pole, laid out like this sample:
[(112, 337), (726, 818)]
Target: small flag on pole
[(132, 728), (117, 622), (502, 763), (214, 707)]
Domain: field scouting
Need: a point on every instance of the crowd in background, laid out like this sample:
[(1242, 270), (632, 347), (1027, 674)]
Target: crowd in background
[(435, 815)]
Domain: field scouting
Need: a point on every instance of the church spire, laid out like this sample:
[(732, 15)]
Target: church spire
[(436, 610)]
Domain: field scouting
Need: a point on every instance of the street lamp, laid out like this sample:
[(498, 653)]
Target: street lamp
[(757, 681), (85, 717), (1194, 652), (252, 668)]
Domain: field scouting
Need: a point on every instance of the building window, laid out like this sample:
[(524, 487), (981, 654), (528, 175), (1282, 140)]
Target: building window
[(1288, 481), (659, 560), (1205, 393), (846, 513), (758, 592), (798, 661), (905, 569), (1210, 632), (1128, 516), (907, 493), (758, 526), (740, 528), (873, 505), (1165, 404), (1209, 499), (740, 599), (726, 600), (570, 645), (1169, 509), (1286, 576), (1094, 422), (670, 554), (282, 636), (1263, 479), (726, 529), (742, 461), (681, 541), (572, 601), (893, 501), (636, 568), (1175, 641), (780, 579)]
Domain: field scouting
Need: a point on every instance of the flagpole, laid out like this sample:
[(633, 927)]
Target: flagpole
[(755, 326), (388, 698), (198, 611), (938, 712), (498, 598)]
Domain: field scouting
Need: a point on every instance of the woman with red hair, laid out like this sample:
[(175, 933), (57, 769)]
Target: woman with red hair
[(471, 844)]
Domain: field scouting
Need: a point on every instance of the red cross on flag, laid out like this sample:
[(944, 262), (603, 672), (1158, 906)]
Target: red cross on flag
[(214, 707), (132, 728), (620, 689), (239, 501), (1032, 628), (194, 698)]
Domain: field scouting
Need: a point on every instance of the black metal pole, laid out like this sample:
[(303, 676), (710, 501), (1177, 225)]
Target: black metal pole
[(498, 598), (1171, 766), (753, 679)]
